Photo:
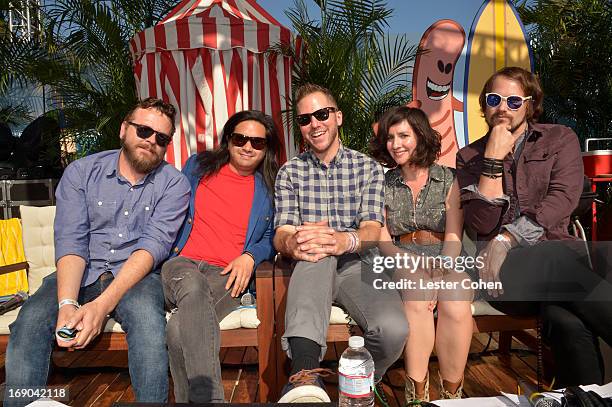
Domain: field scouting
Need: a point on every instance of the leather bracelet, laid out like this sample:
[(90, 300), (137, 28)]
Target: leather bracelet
[(68, 301), (249, 254), (492, 176), (486, 164), (493, 162), (492, 168)]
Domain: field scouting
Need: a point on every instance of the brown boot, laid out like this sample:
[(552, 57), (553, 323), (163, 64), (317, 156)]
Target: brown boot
[(445, 394), (416, 391)]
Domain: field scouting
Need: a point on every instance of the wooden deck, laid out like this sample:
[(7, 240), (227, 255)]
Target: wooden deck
[(100, 378)]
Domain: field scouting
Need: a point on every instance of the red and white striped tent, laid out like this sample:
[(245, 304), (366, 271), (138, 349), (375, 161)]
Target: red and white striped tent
[(208, 58)]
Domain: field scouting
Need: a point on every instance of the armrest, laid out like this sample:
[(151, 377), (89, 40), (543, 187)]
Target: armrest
[(264, 270), (9, 268), (283, 266)]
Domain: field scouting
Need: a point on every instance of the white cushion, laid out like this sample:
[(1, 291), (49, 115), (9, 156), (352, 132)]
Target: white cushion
[(37, 225), (240, 318), (338, 316), (484, 308), (6, 320)]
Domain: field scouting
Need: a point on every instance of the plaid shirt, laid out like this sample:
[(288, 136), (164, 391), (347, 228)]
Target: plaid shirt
[(347, 192)]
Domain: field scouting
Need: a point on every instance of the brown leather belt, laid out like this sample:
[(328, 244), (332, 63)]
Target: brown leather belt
[(422, 237)]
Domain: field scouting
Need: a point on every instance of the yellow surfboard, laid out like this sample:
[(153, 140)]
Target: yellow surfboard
[(497, 39)]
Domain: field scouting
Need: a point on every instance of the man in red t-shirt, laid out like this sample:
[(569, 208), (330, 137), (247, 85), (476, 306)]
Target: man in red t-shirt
[(226, 234)]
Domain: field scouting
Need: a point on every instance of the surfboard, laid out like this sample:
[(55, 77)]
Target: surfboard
[(497, 39)]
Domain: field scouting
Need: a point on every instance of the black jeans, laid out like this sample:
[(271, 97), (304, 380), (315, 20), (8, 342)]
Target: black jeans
[(553, 280), (197, 291)]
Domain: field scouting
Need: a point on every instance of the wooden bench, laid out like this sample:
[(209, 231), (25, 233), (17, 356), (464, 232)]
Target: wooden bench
[(507, 326), (38, 245)]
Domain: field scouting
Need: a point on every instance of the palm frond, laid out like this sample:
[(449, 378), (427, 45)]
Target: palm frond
[(83, 59)]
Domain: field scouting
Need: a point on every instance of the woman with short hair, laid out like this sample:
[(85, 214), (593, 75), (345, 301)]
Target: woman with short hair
[(424, 219)]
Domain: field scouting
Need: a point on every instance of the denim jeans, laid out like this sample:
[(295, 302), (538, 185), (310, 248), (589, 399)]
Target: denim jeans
[(196, 292), (140, 313)]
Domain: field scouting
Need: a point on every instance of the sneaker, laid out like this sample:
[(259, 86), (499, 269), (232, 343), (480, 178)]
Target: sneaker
[(306, 386), (380, 394)]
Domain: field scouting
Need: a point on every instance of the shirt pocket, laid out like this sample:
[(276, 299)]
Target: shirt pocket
[(539, 164), (538, 167), (141, 215), (433, 218), (102, 213)]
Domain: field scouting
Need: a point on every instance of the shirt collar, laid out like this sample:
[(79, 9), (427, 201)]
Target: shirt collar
[(334, 162), (112, 170), (436, 173), (112, 167)]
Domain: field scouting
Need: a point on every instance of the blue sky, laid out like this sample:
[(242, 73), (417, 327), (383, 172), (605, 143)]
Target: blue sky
[(412, 18), (409, 16)]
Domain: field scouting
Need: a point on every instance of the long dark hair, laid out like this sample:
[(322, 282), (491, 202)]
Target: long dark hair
[(428, 146), (210, 162)]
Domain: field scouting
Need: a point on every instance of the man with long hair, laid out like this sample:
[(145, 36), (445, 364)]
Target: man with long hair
[(227, 233), (519, 185), (328, 208), (118, 213)]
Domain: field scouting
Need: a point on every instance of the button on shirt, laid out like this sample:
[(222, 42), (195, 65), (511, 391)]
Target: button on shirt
[(346, 192), (103, 218)]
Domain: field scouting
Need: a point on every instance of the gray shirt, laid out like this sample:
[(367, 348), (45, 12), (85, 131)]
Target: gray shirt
[(103, 219)]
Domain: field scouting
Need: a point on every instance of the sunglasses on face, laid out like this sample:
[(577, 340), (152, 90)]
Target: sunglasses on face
[(239, 140), (321, 115), (514, 102), (144, 132)]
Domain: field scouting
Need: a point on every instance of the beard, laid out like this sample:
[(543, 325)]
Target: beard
[(497, 119), (139, 162)]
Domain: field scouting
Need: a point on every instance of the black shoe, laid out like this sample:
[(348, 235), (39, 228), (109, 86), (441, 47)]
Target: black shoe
[(306, 386)]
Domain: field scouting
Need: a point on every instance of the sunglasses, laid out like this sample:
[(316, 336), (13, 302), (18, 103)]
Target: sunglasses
[(514, 102), (239, 140), (321, 115), (144, 132)]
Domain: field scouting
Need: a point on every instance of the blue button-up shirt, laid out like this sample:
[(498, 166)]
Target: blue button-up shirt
[(103, 218)]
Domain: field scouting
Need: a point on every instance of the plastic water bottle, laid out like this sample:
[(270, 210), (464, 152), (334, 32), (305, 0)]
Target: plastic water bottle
[(356, 375)]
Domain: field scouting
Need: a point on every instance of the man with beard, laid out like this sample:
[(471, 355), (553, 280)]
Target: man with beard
[(519, 185), (118, 213), (328, 208)]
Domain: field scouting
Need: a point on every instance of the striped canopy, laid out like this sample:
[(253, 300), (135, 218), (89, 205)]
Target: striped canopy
[(207, 57)]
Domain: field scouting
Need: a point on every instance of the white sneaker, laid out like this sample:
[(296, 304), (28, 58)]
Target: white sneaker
[(306, 386)]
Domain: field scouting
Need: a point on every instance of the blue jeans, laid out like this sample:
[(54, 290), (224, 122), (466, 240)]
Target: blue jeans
[(140, 313)]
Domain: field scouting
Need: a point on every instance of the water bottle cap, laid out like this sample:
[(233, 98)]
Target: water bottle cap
[(356, 342)]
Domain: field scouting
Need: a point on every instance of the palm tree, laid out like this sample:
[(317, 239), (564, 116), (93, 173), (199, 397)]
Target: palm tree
[(572, 44), (346, 51), (83, 61)]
